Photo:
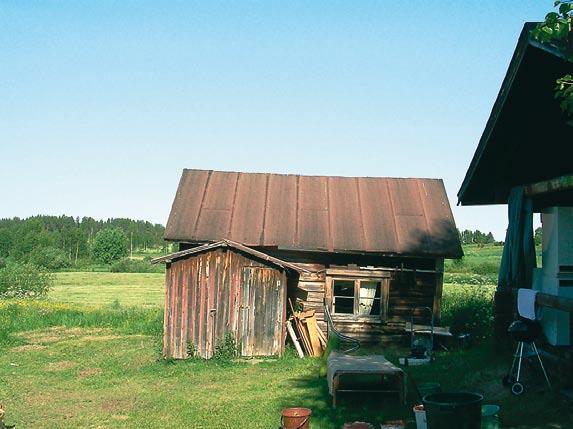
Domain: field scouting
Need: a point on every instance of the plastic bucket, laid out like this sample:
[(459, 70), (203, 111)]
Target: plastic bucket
[(453, 410), (420, 416), (490, 417), (295, 418), (428, 388)]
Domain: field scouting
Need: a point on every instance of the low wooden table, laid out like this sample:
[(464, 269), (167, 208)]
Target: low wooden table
[(392, 378)]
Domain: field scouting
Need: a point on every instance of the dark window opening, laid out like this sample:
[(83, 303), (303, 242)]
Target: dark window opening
[(343, 296)]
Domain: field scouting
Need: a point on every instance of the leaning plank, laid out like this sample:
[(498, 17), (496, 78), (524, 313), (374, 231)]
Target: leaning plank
[(312, 328), (303, 334), (322, 338), (294, 339)]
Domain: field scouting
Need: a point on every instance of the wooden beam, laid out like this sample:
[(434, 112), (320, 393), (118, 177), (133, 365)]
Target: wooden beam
[(562, 183), (546, 300), (437, 307)]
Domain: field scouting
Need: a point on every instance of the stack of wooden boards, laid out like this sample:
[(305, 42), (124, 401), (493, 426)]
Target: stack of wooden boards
[(304, 333)]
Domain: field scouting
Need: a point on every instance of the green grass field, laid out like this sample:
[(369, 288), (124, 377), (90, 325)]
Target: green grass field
[(89, 356), (100, 289)]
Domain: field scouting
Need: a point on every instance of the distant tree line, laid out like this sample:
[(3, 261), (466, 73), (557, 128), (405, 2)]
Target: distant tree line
[(476, 237), (60, 241)]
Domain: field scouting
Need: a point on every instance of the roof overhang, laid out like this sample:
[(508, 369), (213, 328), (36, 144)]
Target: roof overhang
[(233, 245), (527, 138)]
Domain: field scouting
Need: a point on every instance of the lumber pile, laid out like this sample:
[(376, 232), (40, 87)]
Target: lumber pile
[(305, 334)]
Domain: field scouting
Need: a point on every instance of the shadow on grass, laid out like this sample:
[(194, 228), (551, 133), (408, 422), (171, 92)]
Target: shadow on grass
[(312, 392)]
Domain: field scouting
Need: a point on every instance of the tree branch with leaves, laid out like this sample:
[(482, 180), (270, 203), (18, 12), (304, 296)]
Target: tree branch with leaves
[(557, 31)]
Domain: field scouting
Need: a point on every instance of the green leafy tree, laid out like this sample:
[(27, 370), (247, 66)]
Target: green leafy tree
[(49, 257), (538, 236), (24, 280), (557, 30), (110, 245)]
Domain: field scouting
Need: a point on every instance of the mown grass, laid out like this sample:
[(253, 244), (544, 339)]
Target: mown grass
[(100, 289), (64, 377), (26, 315), (94, 361)]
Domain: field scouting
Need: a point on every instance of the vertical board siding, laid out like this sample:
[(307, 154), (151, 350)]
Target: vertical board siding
[(219, 292)]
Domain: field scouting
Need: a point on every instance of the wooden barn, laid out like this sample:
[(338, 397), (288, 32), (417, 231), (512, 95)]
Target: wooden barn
[(371, 249)]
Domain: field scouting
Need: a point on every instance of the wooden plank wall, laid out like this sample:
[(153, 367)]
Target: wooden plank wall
[(407, 290), (203, 300)]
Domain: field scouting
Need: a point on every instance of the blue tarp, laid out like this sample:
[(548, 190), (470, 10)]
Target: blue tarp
[(518, 258)]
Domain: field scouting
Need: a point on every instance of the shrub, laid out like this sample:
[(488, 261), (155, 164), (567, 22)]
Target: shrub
[(133, 266), (226, 348), (110, 245), (469, 309), (51, 258), (24, 280), (487, 267)]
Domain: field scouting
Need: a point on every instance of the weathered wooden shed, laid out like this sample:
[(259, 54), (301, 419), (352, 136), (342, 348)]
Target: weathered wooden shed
[(372, 249), (224, 289)]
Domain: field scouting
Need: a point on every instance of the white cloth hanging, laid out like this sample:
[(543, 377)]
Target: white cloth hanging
[(367, 294), (526, 303)]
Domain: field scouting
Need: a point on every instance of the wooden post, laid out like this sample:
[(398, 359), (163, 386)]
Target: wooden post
[(437, 310), (504, 312), (294, 339)]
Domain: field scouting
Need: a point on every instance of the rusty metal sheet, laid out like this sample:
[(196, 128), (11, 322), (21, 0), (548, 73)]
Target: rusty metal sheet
[(281, 219), (379, 227), (344, 204), (338, 214), (248, 219)]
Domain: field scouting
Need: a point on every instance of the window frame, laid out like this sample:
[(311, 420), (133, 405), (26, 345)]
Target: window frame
[(384, 285)]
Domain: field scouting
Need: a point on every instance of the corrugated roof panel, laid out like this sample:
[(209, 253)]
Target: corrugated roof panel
[(281, 223), (412, 233), (248, 219), (213, 223), (313, 230), (220, 191), (378, 216), (312, 193), (442, 233), (345, 214), (402, 216), (187, 203), (405, 197)]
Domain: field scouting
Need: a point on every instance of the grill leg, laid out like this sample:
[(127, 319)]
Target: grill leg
[(541, 363), (514, 360), (520, 346)]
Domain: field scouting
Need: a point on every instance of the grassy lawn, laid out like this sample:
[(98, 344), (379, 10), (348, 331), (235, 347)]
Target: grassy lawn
[(93, 377), (89, 356), (100, 289)]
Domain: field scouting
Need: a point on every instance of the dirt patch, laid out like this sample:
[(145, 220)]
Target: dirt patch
[(90, 372), (118, 406), (119, 417), (28, 348), (61, 365), (61, 333)]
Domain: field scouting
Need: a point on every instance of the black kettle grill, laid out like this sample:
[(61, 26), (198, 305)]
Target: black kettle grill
[(525, 332)]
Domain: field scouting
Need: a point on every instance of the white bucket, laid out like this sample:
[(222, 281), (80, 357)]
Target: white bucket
[(420, 415)]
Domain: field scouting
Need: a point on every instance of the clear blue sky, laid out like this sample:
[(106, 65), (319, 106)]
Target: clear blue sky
[(103, 103)]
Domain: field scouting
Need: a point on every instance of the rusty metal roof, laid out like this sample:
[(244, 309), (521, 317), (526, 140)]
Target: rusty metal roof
[(315, 213)]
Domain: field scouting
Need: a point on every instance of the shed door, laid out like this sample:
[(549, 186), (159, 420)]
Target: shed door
[(262, 302)]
